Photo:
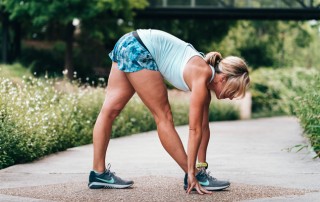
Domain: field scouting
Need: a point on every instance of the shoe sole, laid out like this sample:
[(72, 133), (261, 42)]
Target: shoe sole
[(211, 188), (100, 185)]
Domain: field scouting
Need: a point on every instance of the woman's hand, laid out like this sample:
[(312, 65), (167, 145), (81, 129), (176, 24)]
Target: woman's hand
[(193, 183)]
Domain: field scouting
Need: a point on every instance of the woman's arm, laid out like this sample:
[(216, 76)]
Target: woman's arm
[(197, 75), (198, 99), (205, 130)]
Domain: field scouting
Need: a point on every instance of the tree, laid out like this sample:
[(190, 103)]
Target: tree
[(4, 34), (63, 13), (200, 33), (270, 43)]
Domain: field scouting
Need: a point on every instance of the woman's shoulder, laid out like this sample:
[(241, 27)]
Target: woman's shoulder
[(198, 69)]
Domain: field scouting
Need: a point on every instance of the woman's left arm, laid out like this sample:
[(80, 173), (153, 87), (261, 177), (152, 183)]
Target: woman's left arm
[(205, 130)]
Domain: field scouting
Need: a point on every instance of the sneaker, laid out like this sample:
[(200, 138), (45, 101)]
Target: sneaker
[(207, 181), (107, 180)]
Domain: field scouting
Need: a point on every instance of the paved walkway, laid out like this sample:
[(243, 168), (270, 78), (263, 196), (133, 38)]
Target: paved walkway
[(252, 154)]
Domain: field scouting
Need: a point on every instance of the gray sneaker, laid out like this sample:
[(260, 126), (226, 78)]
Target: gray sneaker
[(207, 181), (107, 180)]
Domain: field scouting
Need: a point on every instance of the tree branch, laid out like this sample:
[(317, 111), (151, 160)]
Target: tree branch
[(223, 3), (301, 2), (287, 2)]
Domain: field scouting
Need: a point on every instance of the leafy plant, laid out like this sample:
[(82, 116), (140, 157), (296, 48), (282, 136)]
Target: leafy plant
[(289, 91), (39, 116)]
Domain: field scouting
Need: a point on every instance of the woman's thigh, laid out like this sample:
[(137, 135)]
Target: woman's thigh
[(152, 90), (119, 90)]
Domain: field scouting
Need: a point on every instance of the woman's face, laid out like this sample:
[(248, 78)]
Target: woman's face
[(217, 86)]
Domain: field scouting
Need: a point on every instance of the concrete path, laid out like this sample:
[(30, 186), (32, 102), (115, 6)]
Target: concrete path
[(252, 154)]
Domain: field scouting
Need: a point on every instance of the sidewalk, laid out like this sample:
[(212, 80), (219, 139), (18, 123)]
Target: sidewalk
[(251, 154)]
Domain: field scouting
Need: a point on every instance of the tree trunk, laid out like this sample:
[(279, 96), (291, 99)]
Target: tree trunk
[(16, 41), (5, 38), (68, 62)]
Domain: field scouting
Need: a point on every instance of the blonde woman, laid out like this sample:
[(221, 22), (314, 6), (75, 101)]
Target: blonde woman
[(141, 61)]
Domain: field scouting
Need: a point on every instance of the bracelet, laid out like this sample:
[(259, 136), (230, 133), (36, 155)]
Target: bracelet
[(202, 165)]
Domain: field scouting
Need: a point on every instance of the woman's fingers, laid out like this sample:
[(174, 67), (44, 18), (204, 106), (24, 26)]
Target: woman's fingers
[(205, 191), (193, 184), (198, 188)]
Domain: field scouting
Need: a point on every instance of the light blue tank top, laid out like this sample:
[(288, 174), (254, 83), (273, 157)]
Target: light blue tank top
[(171, 55)]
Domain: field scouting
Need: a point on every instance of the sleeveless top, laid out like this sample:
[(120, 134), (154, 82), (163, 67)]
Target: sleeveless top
[(171, 55)]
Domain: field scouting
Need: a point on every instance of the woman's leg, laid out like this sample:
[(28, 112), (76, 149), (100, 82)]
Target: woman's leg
[(119, 92), (151, 89)]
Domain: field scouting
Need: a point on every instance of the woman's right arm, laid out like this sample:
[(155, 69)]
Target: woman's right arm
[(199, 95)]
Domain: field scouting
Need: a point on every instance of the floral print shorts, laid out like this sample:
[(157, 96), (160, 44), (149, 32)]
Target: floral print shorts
[(131, 56)]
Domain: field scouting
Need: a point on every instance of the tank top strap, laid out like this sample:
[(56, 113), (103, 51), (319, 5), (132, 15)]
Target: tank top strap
[(213, 72)]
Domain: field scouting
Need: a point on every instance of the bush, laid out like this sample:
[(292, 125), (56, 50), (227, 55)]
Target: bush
[(42, 116), (273, 89), (43, 61), (37, 120), (136, 118), (14, 71), (294, 91), (307, 109)]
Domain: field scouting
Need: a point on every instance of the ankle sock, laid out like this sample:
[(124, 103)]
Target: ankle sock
[(98, 173)]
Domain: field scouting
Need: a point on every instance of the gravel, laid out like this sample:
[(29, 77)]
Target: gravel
[(149, 188)]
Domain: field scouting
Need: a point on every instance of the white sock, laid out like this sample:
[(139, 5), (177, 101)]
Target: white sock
[(98, 173)]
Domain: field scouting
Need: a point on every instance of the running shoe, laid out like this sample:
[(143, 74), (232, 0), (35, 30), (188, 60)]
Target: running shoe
[(107, 180), (207, 181)]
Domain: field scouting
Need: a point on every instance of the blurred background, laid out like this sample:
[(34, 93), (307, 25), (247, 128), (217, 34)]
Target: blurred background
[(51, 36), (54, 65)]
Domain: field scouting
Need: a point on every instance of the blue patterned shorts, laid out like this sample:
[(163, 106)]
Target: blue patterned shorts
[(131, 56)]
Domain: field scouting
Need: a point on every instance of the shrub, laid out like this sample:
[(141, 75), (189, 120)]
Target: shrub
[(41, 116), (273, 89), (307, 109), (294, 91), (136, 118), (14, 71), (36, 119)]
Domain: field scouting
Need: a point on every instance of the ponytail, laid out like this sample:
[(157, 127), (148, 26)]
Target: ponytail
[(213, 59), (235, 70)]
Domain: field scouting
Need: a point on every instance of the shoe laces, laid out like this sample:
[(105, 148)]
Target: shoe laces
[(207, 174), (108, 171)]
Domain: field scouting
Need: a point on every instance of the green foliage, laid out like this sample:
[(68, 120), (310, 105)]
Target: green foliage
[(197, 32), (307, 109), (290, 91), (53, 21), (14, 71), (36, 119), (221, 111), (42, 116), (134, 118), (43, 61), (273, 43), (273, 89), (41, 12), (256, 55)]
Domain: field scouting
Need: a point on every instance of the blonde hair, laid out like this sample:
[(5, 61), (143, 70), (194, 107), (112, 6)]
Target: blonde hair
[(236, 71)]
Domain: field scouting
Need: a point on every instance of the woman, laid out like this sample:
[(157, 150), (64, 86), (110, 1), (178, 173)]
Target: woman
[(141, 61)]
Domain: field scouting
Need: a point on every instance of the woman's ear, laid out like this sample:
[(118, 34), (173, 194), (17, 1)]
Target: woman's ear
[(223, 78)]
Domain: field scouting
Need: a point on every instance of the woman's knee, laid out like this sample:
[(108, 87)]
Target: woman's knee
[(164, 115), (110, 112)]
